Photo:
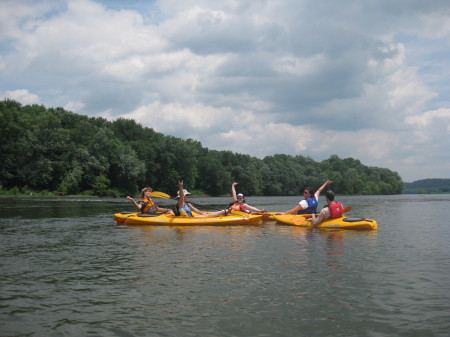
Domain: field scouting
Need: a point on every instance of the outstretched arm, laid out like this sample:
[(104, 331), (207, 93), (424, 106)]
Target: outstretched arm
[(163, 210), (195, 209), (254, 209), (134, 202), (294, 210), (328, 182), (233, 191)]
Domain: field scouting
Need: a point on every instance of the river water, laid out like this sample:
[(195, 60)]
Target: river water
[(68, 270)]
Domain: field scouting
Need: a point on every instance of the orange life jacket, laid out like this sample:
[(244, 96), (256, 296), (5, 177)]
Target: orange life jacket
[(148, 206), (240, 208)]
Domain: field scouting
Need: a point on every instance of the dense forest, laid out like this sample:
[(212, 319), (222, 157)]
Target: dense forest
[(428, 186), (56, 151)]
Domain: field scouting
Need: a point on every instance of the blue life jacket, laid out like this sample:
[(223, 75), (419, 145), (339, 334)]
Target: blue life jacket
[(186, 209), (312, 206)]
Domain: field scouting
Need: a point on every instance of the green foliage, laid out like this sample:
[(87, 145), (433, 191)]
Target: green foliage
[(215, 178), (65, 153), (101, 186), (24, 191), (427, 186)]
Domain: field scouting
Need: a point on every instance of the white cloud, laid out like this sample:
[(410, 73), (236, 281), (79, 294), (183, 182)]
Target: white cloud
[(22, 96), (439, 117), (13, 13), (435, 25), (192, 121), (432, 126), (74, 106), (258, 77)]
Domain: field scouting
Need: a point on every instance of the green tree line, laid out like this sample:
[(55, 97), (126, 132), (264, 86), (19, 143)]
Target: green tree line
[(51, 149), (426, 186)]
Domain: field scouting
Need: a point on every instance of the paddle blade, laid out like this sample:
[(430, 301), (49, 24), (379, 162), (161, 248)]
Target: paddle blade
[(298, 220), (347, 209), (162, 195)]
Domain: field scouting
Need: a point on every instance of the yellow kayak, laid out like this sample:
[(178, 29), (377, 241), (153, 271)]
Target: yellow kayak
[(342, 222), (167, 219), (122, 216), (268, 215)]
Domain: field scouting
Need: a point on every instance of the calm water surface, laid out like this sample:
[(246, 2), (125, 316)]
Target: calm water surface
[(68, 270)]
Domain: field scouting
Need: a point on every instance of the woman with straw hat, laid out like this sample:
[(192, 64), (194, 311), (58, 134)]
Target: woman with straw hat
[(186, 208)]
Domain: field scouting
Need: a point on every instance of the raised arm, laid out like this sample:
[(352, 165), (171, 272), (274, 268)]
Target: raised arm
[(328, 182), (180, 194), (233, 191)]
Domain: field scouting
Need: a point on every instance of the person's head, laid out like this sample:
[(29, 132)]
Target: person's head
[(308, 192), (185, 193), (329, 195), (145, 190), (240, 198)]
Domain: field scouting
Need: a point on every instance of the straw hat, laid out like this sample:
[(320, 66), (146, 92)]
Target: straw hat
[(185, 192)]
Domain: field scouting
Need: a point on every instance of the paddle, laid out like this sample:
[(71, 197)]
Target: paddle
[(157, 194), (298, 220)]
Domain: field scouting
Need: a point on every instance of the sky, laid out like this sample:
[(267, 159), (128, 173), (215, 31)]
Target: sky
[(368, 80)]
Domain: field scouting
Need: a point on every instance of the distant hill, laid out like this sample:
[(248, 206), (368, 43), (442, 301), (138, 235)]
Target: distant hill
[(427, 186)]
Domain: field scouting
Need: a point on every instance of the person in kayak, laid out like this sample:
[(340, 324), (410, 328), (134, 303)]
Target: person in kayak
[(185, 208), (309, 204), (239, 204), (331, 210), (146, 204)]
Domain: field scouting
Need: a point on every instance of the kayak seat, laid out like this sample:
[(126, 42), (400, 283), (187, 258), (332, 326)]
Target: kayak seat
[(353, 219)]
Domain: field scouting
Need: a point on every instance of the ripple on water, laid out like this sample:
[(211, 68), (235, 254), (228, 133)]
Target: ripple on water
[(83, 275)]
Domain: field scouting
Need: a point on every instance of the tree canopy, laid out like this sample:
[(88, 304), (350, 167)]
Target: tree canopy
[(57, 150)]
